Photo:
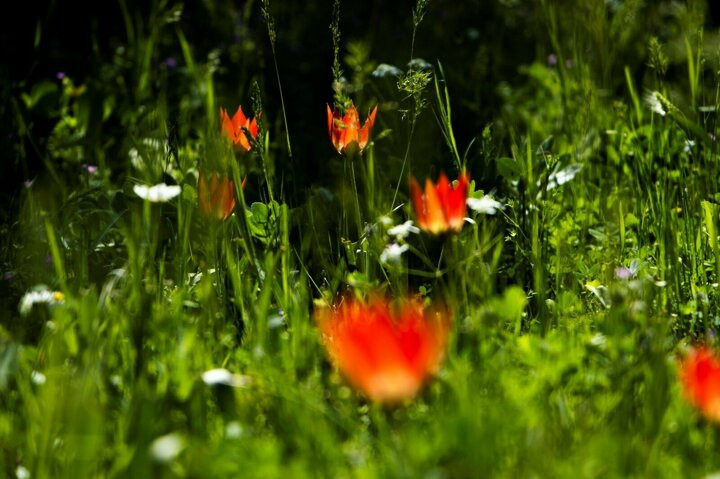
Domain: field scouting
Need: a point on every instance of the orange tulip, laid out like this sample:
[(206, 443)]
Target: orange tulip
[(387, 351), (217, 200), (345, 129), (700, 375), (442, 207), (233, 128)]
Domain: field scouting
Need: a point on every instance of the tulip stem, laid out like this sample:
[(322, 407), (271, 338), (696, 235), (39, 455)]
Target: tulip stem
[(370, 181), (357, 205)]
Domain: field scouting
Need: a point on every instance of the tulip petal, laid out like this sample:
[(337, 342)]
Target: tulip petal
[(364, 132), (700, 375), (330, 117), (435, 216), (442, 207), (217, 200), (344, 130), (418, 203), (239, 120), (227, 125), (385, 352), (456, 205)]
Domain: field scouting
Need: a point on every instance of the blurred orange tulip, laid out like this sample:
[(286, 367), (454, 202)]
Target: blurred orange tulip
[(217, 199), (443, 207), (345, 129), (233, 128), (700, 376), (385, 350)]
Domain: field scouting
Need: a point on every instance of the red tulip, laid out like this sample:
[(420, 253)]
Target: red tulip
[(345, 129), (217, 199), (385, 350), (442, 207), (700, 375), (233, 128)]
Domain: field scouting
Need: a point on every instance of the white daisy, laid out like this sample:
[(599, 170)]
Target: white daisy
[(392, 253), (157, 193), (223, 377), (402, 231), (40, 295), (486, 205)]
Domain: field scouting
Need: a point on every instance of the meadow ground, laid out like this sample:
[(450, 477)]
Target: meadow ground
[(193, 291)]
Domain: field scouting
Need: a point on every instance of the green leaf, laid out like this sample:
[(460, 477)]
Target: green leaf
[(508, 168)]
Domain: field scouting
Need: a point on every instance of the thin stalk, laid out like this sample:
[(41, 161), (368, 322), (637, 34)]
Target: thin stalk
[(405, 160)]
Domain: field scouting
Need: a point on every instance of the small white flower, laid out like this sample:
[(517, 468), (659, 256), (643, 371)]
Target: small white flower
[(403, 231), (40, 295), (21, 472), (167, 447), (653, 102), (37, 378), (223, 377), (392, 253), (486, 205), (158, 193), (233, 430)]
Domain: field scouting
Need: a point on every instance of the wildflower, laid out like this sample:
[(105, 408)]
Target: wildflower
[(233, 430), (387, 351), (345, 129), (92, 169), (159, 193), (235, 128), (486, 205), (700, 375), (170, 63), (40, 295), (402, 231), (621, 272), (689, 145), (168, 447), (392, 253), (217, 199), (654, 103), (38, 378), (441, 207), (22, 472), (223, 377)]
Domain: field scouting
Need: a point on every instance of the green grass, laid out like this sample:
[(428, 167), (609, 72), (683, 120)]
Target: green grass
[(556, 366)]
